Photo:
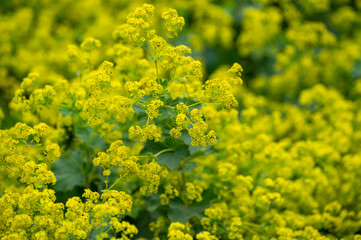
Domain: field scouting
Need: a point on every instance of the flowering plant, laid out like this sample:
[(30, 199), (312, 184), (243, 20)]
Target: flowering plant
[(124, 134)]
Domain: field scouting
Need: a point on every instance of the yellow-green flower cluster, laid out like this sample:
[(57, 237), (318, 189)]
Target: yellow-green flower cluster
[(37, 174), (212, 26), (173, 23), (170, 192), (139, 25), (26, 155), (151, 175), (205, 236), (90, 44), (114, 157), (177, 231), (30, 213), (260, 27), (144, 86), (52, 152), (127, 230), (151, 132), (317, 35), (193, 192), (198, 128), (220, 90), (152, 108), (104, 106)]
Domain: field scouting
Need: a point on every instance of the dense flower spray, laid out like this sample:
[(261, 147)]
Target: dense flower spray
[(129, 121)]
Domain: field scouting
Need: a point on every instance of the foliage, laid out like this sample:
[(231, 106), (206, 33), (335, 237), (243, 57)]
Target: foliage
[(119, 132)]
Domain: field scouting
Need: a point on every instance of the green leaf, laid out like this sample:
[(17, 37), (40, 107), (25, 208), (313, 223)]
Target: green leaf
[(65, 110), (166, 119), (98, 142), (143, 224), (188, 140), (170, 158), (153, 147), (173, 158), (166, 98), (356, 71), (152, 201), (163, 82), (189, 166), (83, 133), (166, 113), (180, 213), (94, 233), (141, 114), (68, 172)]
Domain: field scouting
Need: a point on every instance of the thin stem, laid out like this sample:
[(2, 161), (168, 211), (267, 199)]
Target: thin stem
[(251, 224), (106, 182), (142, 156), (101, 232), (170, 81), (149, 53), (161, 49), (155, 58), (194, 104), (185, 85), (252, 230), (80, 78), (13, 170), (114, 183), (156, 68), (163, 151)]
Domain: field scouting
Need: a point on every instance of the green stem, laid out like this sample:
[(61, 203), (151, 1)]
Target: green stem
[(114, 183), (106, 182), (170, 81), (101, 232), (251, 224), (142, 156), (160, 51), (188, 95), (163, 151), (150, 55), (194, 104), (80, 78), (13, 170), (252, 230), (156, 68)]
